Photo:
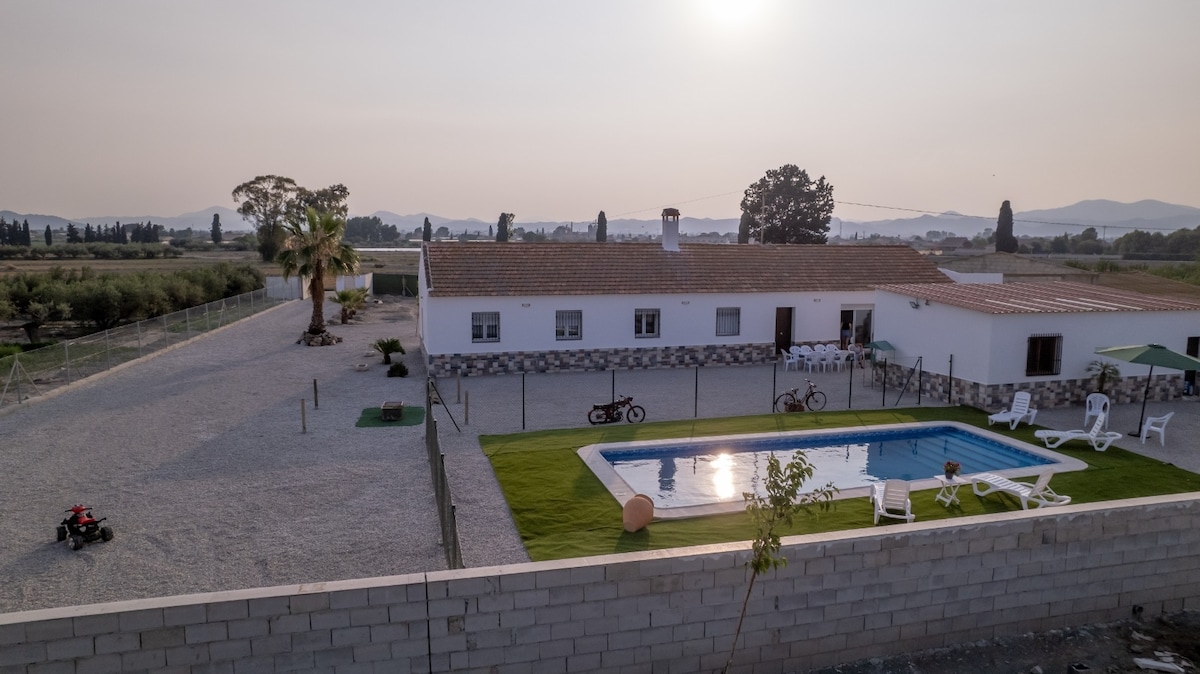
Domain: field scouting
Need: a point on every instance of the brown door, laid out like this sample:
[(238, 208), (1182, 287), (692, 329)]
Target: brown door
[(783, 328)]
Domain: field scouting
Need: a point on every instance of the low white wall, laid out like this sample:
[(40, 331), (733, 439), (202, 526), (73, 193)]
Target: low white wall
[(357, 281), (842, 597), (292, 288)]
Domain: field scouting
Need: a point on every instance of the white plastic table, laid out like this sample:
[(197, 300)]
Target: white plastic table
[(949, 491)]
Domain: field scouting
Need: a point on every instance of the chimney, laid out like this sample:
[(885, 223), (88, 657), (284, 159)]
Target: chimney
[(670, 231)]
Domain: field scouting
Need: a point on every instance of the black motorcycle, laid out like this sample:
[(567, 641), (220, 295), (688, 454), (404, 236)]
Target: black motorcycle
[(621, 408)]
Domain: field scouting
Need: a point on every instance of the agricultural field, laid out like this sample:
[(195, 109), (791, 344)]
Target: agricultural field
[(386, 262)]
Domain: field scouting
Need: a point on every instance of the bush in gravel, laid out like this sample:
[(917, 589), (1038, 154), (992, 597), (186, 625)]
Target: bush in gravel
[(398, 370), (387, 346)]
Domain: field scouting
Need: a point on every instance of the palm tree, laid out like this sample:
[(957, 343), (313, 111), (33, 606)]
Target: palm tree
[(351, 300), (312, 248)]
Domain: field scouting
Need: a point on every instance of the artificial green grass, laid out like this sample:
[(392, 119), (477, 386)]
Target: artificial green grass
[(561, 510), (371, 417)]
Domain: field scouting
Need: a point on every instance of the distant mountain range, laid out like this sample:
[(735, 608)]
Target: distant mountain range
[(1110, 218)]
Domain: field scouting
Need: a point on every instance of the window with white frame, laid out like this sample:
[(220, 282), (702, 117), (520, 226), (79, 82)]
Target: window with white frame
[(568, 325), (729, 321), (1043, 355), (645, 322), (485, 326)]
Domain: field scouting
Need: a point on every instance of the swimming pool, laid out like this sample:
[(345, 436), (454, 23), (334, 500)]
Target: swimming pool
[(698, 476)]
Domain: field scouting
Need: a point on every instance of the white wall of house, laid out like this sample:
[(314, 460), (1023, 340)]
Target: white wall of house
[(991, 349), (528, 323), (933, 332)]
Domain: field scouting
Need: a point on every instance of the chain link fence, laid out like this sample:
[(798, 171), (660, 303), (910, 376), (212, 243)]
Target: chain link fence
[(34, 373)]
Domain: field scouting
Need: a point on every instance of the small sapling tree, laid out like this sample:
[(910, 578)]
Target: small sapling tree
[(773, 511)]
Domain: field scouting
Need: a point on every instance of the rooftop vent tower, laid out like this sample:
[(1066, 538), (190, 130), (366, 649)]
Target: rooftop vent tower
[(670, 231)]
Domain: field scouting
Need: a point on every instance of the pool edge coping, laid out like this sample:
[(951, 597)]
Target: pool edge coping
[(622, 492)]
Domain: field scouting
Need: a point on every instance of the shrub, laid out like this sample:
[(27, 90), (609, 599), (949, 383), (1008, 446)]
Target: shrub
[(387, 347), (398, 370)]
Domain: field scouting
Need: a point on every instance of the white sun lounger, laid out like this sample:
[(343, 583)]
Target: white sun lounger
[(1099, 438), (890, 499), (1020, 411), (1039, 493)]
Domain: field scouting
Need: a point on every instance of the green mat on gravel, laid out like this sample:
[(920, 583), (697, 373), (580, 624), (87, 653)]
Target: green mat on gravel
[(561, 510), (411, 416)]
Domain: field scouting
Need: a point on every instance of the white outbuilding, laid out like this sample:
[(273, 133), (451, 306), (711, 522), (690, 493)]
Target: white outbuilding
[(979, 343)]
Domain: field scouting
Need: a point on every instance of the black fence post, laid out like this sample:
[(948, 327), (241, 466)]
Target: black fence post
[(850, 395), (774, 383)]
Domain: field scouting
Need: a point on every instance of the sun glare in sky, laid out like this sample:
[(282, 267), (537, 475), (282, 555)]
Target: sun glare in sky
[(734, 14)]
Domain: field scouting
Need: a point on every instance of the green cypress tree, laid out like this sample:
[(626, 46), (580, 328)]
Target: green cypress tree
[(1006, 242)]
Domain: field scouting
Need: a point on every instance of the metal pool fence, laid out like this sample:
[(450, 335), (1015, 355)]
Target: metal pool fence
[(34, 373)]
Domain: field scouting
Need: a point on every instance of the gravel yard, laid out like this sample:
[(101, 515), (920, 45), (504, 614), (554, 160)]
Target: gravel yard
[(197, 459)]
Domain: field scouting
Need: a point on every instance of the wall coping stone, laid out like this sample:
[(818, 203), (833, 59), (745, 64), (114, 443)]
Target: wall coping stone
[(846, 536)]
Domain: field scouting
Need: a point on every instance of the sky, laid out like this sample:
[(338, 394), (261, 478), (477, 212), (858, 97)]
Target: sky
[(558, 109)]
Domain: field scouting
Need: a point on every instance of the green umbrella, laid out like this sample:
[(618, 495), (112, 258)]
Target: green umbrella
[(1150, 354)]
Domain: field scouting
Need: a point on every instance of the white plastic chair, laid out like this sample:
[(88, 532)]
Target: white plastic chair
[(835, 358), (790, 360), (1096, 404), (1157, 425), (811, 357)]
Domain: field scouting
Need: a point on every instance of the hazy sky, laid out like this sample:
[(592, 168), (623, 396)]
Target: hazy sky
[(557, 109)]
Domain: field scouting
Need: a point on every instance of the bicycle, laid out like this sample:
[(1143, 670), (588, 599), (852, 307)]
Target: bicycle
[(813, 399)]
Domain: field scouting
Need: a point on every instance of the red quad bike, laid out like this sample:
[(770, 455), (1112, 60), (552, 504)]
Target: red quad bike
[(610, 412), (82, 527)]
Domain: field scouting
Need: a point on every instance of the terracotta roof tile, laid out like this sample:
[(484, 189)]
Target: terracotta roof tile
[(1060, 297), (513, 269)]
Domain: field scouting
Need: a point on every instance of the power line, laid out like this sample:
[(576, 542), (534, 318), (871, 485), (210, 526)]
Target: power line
[(987, 217), (913, 210), (674, 204)]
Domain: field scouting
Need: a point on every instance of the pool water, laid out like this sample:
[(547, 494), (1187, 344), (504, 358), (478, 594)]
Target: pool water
[(682, 473)]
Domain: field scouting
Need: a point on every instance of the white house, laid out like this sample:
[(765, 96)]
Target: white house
[(981, 342), (518, 307)]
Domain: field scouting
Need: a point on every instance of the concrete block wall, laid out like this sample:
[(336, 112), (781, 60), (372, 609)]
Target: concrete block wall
[(842, 596)]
